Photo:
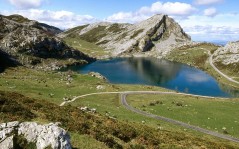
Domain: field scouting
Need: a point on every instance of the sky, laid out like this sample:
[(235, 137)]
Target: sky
[(203, 20)]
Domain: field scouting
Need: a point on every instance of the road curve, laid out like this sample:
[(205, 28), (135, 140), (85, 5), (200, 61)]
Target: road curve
[(124, 94), (221, 73), (172, 121), (98, 93)]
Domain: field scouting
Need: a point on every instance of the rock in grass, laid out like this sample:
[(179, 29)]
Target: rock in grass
[(31, 134), (97, 75)]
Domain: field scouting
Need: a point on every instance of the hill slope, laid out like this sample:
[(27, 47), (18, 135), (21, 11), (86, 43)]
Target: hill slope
[(155, 36), (112, 133)]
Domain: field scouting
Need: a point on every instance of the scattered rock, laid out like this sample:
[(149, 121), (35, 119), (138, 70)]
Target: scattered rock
[(97, 75), (93, 110), (86, 109), (100, 87), (66, 98)]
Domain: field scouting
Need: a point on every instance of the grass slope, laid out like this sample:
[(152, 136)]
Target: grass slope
[(100, 129), (91, 49), (193, 110), (97, 129)]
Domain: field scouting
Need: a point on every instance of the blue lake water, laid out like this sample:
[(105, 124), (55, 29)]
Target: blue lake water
[(156, 72)]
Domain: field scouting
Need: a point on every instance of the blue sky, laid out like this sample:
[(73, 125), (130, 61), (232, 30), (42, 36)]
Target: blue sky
[(204, 20)]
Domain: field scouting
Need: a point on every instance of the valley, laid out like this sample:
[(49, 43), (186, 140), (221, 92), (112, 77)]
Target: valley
[(33, 84)]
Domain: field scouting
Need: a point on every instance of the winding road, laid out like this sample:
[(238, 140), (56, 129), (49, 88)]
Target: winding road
[(221, 73), (124, 102), (172, 121)]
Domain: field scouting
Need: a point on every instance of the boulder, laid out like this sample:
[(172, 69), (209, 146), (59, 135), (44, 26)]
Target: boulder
[(48, 135), (97, 75)]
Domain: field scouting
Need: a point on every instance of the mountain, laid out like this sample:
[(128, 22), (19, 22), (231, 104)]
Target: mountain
[(32, 43), (157, 35)]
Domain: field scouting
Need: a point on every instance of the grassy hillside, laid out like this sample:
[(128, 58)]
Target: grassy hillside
[(197, 56), (231, 69), (86, 47), (193, 55), (193, 110), (97, 129)]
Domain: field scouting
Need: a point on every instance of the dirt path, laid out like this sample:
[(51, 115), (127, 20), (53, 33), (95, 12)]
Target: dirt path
[(221, 73), (99, 93)]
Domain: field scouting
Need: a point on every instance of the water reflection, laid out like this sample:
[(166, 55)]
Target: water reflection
[(152, 71), (196, 77)]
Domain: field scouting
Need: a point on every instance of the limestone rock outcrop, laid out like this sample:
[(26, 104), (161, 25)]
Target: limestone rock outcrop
[(229, 54), (155, 36), (40, 136)]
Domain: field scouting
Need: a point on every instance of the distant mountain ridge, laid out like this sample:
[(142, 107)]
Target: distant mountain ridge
[(157, 35), (32, 43)]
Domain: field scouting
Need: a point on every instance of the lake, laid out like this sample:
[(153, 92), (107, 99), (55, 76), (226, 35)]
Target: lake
[(158, 72)]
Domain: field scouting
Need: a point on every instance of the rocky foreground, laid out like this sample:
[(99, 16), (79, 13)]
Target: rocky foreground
[(13, 135)]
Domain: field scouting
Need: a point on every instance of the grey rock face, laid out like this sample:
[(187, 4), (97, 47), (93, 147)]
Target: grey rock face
[(229, 54), (42, 135)]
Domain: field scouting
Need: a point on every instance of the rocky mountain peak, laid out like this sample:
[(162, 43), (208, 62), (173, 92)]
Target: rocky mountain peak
[(155, 36)]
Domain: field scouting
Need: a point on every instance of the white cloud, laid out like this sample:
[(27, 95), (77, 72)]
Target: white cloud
[(176, 9), (195, 77), (210, 12), (26, 4), (207, 2), (200, 27), (62, 19), (222, 27)]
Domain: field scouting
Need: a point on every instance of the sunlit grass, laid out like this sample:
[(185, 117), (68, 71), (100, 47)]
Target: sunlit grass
[(214, 114)]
